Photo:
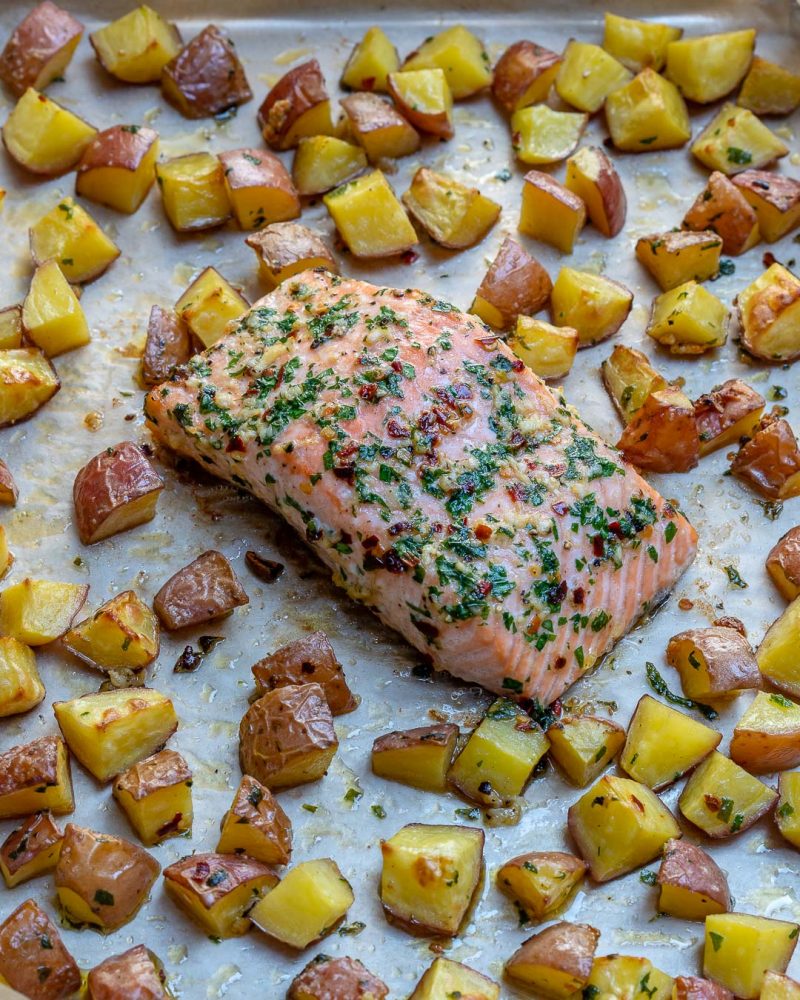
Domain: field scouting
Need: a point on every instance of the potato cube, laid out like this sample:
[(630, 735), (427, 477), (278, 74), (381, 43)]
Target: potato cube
[(452, 214), (594, 179), (168, 345), (618, 825), (546, 349), (39, 611), (371, 62), (739, 949), (722, 208), (556, 962), (418, 757), (524, 75), (735, 140), (10, 328), (218, 890), (323, 162), (310, 660), (259, 188), (676, 257), (692, 884), (723, 799), (156, 796), (6, 557), (370, 219), (297, 106), (118, 167), (20, 685), (630, 379), (769, 313), (583, 746), (783, 564), (688, 319), (779, 987), (770, 460), (309, 902), (695, 988), (423, 97), (52, 315), (193, 191), (593, 305), (445, 978), (379, 127), (8, 488), (110, 731), (662, 435), (35, 776), (775, 200), (352, 978), (713, 662), (205, 77), (286, 737), (209, 304), (647, 114), (707, 68), (769, 89), (32, 953), (625, 977), (137, 970), (43, 137), (27, 382), (287, 248), (40, 48), (638, 44), (550, 212), (137, 46), (767, 737), (542, 882), (730, 411), (420, 862), (462, 57), (68, 236), (787, 810), (31, 849), (256, 825), (541, 135), (201, 592), (515, 284), (587, 75)]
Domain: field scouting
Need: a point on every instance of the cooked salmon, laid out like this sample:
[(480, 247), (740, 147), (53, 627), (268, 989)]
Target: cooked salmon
[(443, 483)]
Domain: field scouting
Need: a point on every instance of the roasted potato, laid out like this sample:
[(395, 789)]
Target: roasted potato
[(688, 319), (205, 78), (787, 810), (692, 884), (722, 799), (218, 890), (730, 411), (638, 44), (547, 350), (462, 57), (740, 949), (31, 849), (677, 257), (137, 46), (33, 959), (69, 237), (287, 248), (43, 137), (709, 67), (783, 564), (774, 198), (556, 962), (193, 191), (110, 731), (594, 179), (420, 890), (583, 746), (201, 592), (446, 978), (137, 971), (21, 688), (40, 48), (593, 305), (8, 488), (379, 127), (10, 328), (618, 825), (310, 660), (27, 382), (734, 140), (370, 219), (118, 167), (6, 556), (770, 460), (524, 75), (722, 208), (345, 975), (35, 776), (515, 284), (541, 882), (648, 113), (695, 988), (662, 435), (630, 379), (625, 977), (587, 75), (550, 212), (371, 62), (767, 736), (256, 825), (40, 611), (423, 97), (323, 162), (297, 106), (713, 662), (209, 304), (168, 345), (769, 315), (541, 135), (776, 986), (259, 188), (418, 757), (769, 89), (52, 316), (156, 796), (453, 215)]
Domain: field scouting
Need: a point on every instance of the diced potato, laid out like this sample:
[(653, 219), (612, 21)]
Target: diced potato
[(40, 48), (594, 179), (770, 460), (35, 776), (6, 556), (417, 757), (775, 200), (541, 135), (769, 89), (32, 953), (593, 305), (556, 962), (695, 988), (156, 796), (137, 46), (625, 977), (259, 188), (587, 75), (68, 236), (688, 319), (618, 825), (583, 746), (193, 191), (118, 167), (39, 611), (739, 949), (115, 491), (137, 970), (309, 902), (647, 114), (371, 62), (8, 488), (783, 564), (713, 662), (515, 285), (203, 591), (110, 731), (630, 379), (21, 688), (776, 656), (256, 825), (767, 737), (430, 875), (727, 413), (168, 345), (379, 127), (347, 975), (297, 106), (662, 435), (692, 884), (310, 660), (787, 810), (722, 208), (286, 737), (323, 162), (370, 219), (542, 882), (10, 328), (423, 97), (776, 986), (206, 76), (452, 214), (550, 212), (769, 313), (735, 140), (677, 257), (462, 57), (287, 248), (52, 316), (209, 304), (524, 75), (43, 137), (446, 978), (32, 849), (547, 350), (638, 44), (707, 68), (723, 799)]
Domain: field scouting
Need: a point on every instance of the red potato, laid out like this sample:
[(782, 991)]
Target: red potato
[(524, 75), (40, 48), (310, 660), (117, 490), (713, 662), (8, 488), (695, 988), (117, 167), (259, 187), (135, 975), (783, 564), (662, 434), (594, 178), (557, 961), (727, 413), (770, 460), (692, 884), (33, 959), (327, 978), (297, 106), (204, 590), (379, 127), (168, 345), (516, 284), (287, 248), (723, 209), (206, 78)]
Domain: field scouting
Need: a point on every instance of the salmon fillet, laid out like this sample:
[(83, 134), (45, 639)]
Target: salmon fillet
[(445, 485)]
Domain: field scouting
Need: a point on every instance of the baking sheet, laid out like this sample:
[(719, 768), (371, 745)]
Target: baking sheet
[(100, 404)]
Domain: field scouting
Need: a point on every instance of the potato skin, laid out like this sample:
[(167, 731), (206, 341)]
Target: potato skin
[(23, 953), (8, 488), (254, 806), (204, 590), (723, 209), (134, 975), (168, 345), (119, 146), (718, 412), (728, 654), (206, 77), (515, 284), (783, 563), (163, 769), (195, 874), (37, 834), (593, 177), (770, 460), (565, 947), (45, 31), (281, 245), (343, 978), (31, 764), (688, 866), (297, 91), (695, 988), (662, 435), (310, 660), (517, 69)]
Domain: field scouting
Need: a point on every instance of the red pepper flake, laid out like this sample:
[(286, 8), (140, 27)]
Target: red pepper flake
[(409, 256), (713, 804), (396, 430), (235, 444), (517, 492), (769, 259), (368, 392), (560, 663), (598, 546), (559, 508), (399, 527), (485, 588), (578, 595), (397, 366), (483, 532), (370, 542)]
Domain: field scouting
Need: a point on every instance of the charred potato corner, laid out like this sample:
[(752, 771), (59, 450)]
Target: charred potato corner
[(399, 501)]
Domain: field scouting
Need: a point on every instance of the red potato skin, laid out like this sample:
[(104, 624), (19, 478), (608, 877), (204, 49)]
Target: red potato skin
[(204, 590), (769, 458), (282, 243), (168, 345), (22, 955), (516, 283), (310, 660), (193, 874), (119, 146), (723, 209), (564, 946), (516, 69), (30, 764), (8, 488), (724, 406), (695, 988), (208, 75), (132, 975), (295, 93), (726, 648), (35, 40), (661, 437), (247, 168), (336, 979), (784, 558), (612, 195), (688, 866), (35, 835), (784, 192), (369, 112)]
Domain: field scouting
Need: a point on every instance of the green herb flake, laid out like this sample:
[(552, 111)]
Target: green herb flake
[(659, 685), (103, 897), (716, 940), (734, 578)]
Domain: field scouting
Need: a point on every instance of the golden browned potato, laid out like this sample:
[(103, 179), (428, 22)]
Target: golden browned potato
[(730, 411), (256, 825), (550, 212), (326, 978), (462, 57), (37, 612), (540, 135), (21, 688), (33, 959), (136, 974), (769, 315), (168, 345), (722, 799), (137, 46), (542, 882), (588, 74), (638, 44), (371, 62), (662, 435), (27, 381), (584, 745), (713, 662), (524, 75), (204, 590), (52, 316), (297, 106), (452, 214), (647, 114), (259, 187), (117, 490), (370, 218), (10, 328), (31, 849), (624, 975), (777, 986), (692, 883), (118, 167), (556, 962), (287, 738), (8, 488), (722, 208), (44, 137), (419, 757), (740, 949), (310, 660), (323, 162), (594, 179), (156, 796), (121, 635), (783, 564), (769, 89), (592, 304), (209, 305), (193, 191), (695, 988), (69, 238), (516, 284), (708, 67), (287, 248), (770, 460), (775, 200), (205, 77), (676, 257), (379, 127), (629, 379), (735, 139), (40, 48), (35, 776), (689, 319), (446, 978), (767, 737), (423, 98)]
